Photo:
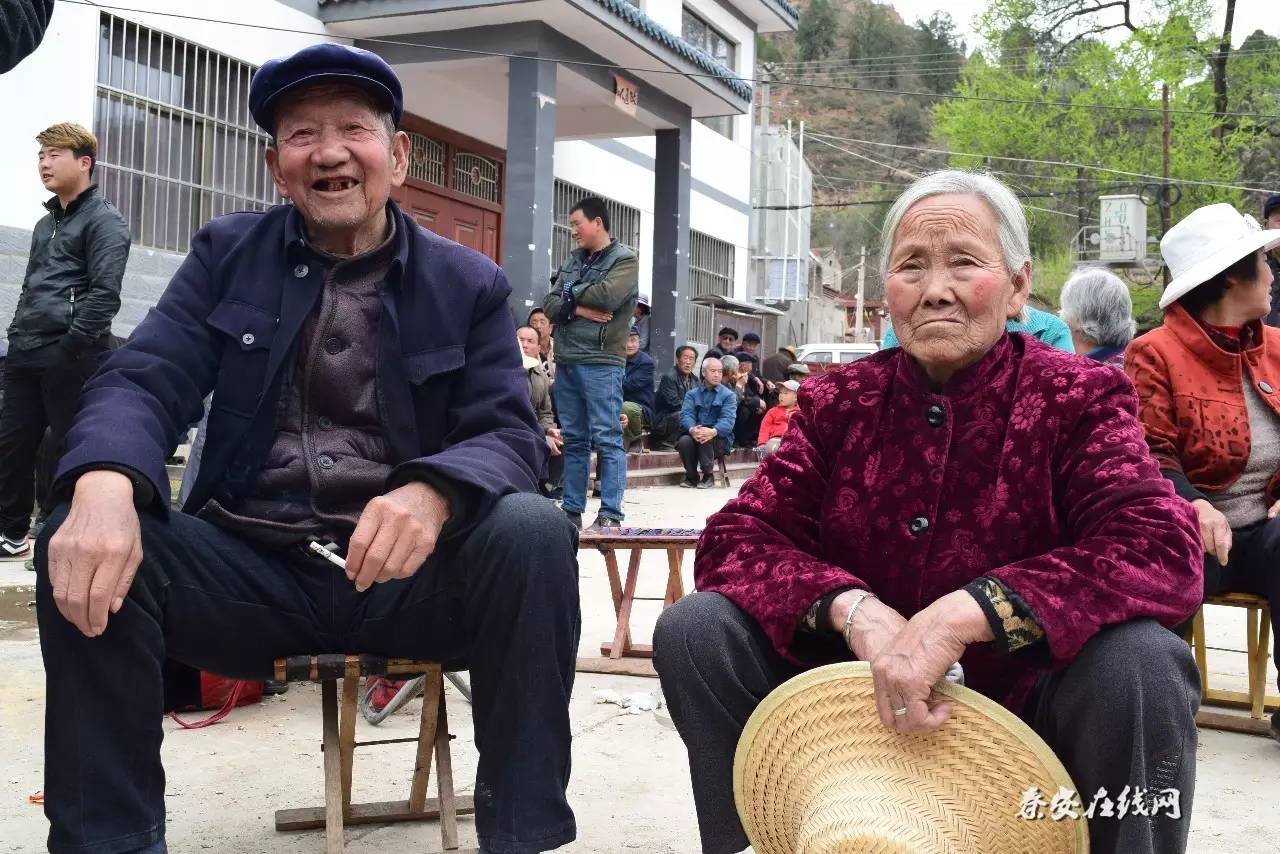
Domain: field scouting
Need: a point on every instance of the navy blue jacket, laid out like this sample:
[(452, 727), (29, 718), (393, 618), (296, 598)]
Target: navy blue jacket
[(637, 383), (451, 384)]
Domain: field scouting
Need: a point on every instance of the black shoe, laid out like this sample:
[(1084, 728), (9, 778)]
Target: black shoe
[(603, 523), (575, 519), (595, 492), (708, 481), (15, 549), (688, 484), (271, 687)]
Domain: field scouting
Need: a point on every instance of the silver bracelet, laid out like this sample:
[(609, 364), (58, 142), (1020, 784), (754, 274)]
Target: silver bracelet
[(853, 609)]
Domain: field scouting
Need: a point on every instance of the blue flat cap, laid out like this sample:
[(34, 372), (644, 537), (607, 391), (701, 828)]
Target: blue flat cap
[(1270, 205), (323, 63)]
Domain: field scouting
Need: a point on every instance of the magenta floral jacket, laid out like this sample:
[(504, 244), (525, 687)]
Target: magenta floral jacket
[(1030, 467)]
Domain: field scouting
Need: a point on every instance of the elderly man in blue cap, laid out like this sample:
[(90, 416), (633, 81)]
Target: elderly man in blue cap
[(1271, 220), (366, 392)]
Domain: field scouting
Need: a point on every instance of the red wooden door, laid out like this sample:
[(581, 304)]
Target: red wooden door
[(470, 225)]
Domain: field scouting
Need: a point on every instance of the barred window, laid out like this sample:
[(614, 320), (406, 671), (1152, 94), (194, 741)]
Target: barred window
[(710, 266), (176, 143), (624, 222)]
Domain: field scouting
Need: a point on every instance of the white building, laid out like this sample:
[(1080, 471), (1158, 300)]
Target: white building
[(515, 109)]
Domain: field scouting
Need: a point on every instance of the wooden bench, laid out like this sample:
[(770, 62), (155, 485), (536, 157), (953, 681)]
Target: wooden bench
[(1258, 644), (339, 748), (619, 654)]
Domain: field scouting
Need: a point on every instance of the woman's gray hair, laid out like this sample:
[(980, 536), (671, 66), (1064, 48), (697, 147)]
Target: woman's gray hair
[(729, 364), (1011, 221), (1096, 303)]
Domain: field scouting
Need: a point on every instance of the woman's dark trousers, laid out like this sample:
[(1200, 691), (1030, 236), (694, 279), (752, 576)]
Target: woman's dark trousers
[(504, 599), (1253, 566), (1121, 714)]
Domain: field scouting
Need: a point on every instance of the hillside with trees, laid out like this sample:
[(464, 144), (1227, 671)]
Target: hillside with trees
[(1063, 100)]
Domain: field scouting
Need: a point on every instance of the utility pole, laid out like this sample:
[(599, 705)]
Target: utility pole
[(859, 305), (1164, 188), (1082, 212), (764, 146), (801, 239)]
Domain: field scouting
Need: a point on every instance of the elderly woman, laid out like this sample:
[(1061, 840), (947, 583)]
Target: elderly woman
[(973, 496), (1207, 385), (1098, 310)]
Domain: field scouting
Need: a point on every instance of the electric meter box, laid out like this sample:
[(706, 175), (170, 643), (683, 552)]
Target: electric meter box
[(1123, 229)]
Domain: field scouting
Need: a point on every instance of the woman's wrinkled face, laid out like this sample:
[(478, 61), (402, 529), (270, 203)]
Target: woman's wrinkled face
[(948, 290)]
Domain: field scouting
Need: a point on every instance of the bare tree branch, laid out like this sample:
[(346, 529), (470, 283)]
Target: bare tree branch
[(1098, 7)]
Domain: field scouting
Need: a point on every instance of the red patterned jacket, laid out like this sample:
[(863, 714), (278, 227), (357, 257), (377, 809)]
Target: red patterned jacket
[(1191, 395), (1029, 467)]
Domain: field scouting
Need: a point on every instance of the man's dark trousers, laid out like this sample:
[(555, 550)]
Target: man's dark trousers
[(504, 600), (700, 457), (41, 390)]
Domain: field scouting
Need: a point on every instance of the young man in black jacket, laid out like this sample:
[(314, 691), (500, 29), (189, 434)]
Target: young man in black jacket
[(70, 295)]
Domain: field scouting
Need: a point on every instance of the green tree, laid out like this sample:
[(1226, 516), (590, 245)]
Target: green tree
[(936, 38), (816, 35), (879, 40)]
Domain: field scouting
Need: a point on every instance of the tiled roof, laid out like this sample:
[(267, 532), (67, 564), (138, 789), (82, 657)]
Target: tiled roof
[(698, 57)]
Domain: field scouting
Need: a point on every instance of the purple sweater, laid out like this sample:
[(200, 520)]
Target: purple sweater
[(1036, 474)]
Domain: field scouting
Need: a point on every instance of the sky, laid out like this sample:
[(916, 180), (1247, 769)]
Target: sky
[(1250, 14)]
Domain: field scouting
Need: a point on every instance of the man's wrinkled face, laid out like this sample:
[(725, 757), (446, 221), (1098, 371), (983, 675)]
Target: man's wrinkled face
[(334, 158), (60, 169), (541, 323), (586, 232), (751, 346), (633, 345), (684, 362), (528, 340), (948, 290)]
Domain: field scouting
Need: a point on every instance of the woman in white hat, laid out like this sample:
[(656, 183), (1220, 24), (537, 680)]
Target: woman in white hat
[(1209, 396)]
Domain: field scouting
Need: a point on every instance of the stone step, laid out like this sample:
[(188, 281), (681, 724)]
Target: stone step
[(738, 473)]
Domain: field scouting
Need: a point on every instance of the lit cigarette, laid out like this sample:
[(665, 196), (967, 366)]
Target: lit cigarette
[(334, 559)]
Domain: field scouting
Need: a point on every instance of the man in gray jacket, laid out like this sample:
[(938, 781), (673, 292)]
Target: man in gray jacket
[(70, 295), (591, 302)]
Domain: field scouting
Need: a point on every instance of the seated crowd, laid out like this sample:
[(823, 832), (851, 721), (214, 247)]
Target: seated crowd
[(973, 495)]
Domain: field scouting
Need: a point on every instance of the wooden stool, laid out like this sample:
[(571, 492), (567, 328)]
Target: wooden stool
[(619, 654), (724, 471), (1257, 645), (339, 748)]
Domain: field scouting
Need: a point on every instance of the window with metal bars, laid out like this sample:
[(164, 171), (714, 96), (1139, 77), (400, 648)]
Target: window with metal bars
[(624, 222), (176, 143), (710, 266), (426, 159)]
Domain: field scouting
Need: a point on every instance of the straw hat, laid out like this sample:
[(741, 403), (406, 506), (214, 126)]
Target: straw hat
[(817, 773), (1209, 240)]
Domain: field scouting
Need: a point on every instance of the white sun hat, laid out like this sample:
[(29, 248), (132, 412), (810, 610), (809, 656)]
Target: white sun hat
[(1209, 240)]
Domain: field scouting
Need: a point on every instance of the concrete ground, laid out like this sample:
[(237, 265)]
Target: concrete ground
[(630, 783)]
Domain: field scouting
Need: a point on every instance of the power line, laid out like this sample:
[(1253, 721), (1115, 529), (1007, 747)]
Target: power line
[(686, 74), (1188, 181)]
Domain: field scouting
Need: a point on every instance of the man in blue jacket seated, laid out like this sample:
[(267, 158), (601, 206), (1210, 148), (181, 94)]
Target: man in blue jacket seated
[(706, 420), (366, 391), (637, 390)]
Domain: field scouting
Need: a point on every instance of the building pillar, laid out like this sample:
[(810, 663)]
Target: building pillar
[(669, 323), (530, 181)]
